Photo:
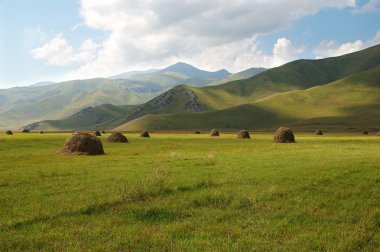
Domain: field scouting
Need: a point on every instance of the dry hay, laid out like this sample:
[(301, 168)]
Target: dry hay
[(144, 134), (83, 144), (97, 133), (319, 132), (9, 132), (284, 135), (214, 132), (243, 134), (365, 132), (117, 138)]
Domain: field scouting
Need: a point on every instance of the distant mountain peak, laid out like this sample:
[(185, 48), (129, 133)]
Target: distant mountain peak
[(194, 72)]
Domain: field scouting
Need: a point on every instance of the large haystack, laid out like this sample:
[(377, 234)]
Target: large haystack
[(83, 144), (284, 135), (319, 132), (117, 138), (243, 134), (9, 132), (25, 131), (97, 133), (365, 132), (144, 134), (214, 132)]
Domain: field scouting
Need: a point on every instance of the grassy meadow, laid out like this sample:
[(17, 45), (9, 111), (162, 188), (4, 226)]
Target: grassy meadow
[(187, 192)]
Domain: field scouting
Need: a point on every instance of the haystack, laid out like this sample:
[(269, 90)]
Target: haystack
[(197, 132), (117, 138), (319, 132), (103, 132), (365, 132), (243, 134), (41, 131), (214, 132), (9, 132), (25, 131), (83, 144), (97, 133), (284, 135), (144, 134)]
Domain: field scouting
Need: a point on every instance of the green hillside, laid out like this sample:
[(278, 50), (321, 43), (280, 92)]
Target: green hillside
[(300, 93), (352, 103), (22, 105)]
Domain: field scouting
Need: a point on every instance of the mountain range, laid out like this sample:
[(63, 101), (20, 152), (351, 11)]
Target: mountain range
[(339, 93), (47, 100)]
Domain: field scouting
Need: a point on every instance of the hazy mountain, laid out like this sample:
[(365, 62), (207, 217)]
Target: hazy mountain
[(42, 84), (239, 76), (22, 105)]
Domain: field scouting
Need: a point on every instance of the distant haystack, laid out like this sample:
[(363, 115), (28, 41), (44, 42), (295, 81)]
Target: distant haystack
[(41, 131), (365, 132), (144, 134), (9, 132), (243, 134), (214, 132), (319, 132), (25, 131), (197, 132), (83, 144), (103, 132), (284, 135), (117, 138), (97, 133)]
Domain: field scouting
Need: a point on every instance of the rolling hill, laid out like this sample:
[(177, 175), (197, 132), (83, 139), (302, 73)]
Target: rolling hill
[(23, 105), (337, 93)]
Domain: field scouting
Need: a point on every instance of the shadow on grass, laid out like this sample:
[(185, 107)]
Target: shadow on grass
[(156, 185)]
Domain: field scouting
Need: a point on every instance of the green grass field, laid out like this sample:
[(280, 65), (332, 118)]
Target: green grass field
[(176, 192)]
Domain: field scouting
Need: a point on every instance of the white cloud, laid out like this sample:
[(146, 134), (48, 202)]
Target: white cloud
[(211, 34), (330, 48), (370, 6), (58, 52)]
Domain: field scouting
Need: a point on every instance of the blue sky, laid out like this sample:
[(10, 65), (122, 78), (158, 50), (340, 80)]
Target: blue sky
[(60, 40)]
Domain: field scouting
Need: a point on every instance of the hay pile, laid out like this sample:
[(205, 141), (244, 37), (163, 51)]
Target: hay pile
[(197, 132), (117, 138), (97, 133), (83, 144), (9, 132), (319, 132), (243, 134), (284, 135), (41, 131), (214, 132), (144, 134), (103, 132), (365, 132), (25, 131)]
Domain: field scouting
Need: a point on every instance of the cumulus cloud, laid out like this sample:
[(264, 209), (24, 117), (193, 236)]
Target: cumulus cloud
[(210, 34), (58, 52), (330, 48)]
